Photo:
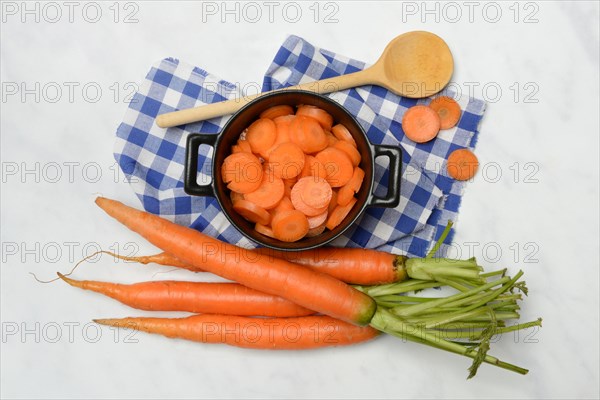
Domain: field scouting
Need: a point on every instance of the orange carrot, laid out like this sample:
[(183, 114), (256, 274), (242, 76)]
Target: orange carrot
[(317, 220), (268, 194), (346, 192), (252, 212), (303, 286), (195, 297), (342, 133), (264, 230), (316, 192), (420, 124), (299, 204), (350, 151), (289, 226), (316, 231), (261, 135), (284, 205), (244, 146), (277, 111), (257, 333), (308, 134), (447, 109), (313, 167), (462, 164), (287, 160), (339, 213), (321, 116), (242, 172), (338, 166)]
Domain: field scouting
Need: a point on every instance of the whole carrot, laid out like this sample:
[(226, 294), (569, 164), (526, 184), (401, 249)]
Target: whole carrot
[(195, 297), (257, 333), (356, 266), (303, 286)]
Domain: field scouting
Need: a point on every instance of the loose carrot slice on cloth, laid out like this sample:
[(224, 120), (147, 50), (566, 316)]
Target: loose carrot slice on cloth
[(350, 151), (287, 160), (320, 115), (339, 213), (195, 297), (268, 194), (277, 111), (462, 164), (316, 192), (261, 135), (289, 226), (252, 212), (338, 166), (308, 134), (447, 109), (296, 333), (342, 133), (313, 167), (242, 172), (264, 230), (420, 124), (317, 220), (299, 204)]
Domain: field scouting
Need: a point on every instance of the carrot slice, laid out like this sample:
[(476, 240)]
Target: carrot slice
[(242, 171), (268, 194), (342, 133), (420, 124), (345, 195), (316, 231), (320, 115), (316, 192), (287, 160), (277, 111), (339, 213), (308, 134), (245, 146), (313, 167), (284, 205), (236, 149), (334, 201), (317, 220), (299, 204), (288, 185), (447, 109), (350, 151), (252, 212), (261, 135), (289, 226), (264, 230), (338, 166), (235, 196), (462, 164), (332, 139)]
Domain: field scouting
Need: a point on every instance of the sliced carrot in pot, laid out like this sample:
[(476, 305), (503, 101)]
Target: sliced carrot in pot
[(313, 167), (261, 135), (339, 213), (287, 160), (268, 194), (264, 230), (289, 226), (308, 134), (316, 192), (338, 166), (350, 151), (277, 111), (342, 133), (320, 115), (252, 212), (317, 220), (299, 204), (242, 172)]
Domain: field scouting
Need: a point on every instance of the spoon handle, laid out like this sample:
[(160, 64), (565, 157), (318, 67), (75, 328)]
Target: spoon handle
[(219, 109)]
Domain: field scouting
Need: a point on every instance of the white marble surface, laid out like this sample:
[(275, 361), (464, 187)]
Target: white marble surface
[(550, 211)]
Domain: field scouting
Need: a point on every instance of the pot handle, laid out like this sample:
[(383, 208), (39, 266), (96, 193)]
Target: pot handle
[(392, 199), (190, 175)]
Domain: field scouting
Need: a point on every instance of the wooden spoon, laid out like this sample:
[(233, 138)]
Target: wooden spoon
[(416, 64)]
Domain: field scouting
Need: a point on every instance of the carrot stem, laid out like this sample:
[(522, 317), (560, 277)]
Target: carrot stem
[(440, 240)]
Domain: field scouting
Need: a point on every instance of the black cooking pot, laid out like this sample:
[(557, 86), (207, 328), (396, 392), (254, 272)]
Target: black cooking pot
[(223, 141)]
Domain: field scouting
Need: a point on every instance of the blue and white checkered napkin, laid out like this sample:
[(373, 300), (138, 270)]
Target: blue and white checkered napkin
[(153, 158)]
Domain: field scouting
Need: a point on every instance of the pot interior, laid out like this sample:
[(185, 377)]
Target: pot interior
[(241, 120)]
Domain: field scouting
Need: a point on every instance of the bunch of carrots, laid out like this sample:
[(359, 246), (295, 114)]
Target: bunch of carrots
[(311, 299)]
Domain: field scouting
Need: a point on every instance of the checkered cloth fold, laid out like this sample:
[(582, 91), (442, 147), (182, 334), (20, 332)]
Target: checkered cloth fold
[(153, 158)]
